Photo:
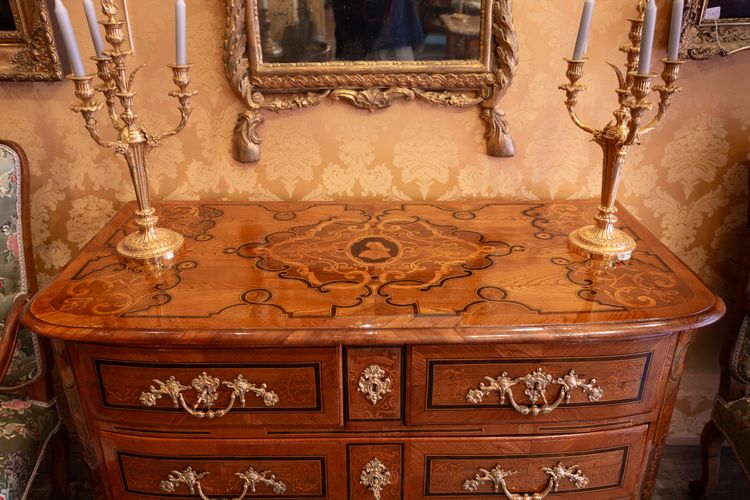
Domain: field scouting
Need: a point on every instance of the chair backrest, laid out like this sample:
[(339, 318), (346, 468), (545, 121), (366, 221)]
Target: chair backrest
[(17, 274), (24, 361)]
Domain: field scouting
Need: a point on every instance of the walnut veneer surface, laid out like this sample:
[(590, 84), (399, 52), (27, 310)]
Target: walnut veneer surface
[(372, 350)]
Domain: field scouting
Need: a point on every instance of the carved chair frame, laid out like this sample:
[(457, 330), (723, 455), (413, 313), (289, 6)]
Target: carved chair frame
[(29, 53), (369, 85), (704, 40)]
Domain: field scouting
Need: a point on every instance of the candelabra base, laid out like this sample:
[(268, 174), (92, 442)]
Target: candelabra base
[(609, 244), (150, 243)]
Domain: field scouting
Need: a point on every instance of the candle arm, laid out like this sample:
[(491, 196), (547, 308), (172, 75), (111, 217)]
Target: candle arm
[(93, 129), (580, 123), (184, 96)]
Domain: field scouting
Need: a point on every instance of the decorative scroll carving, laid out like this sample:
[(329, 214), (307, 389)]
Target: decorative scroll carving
[(374, 384), (368, 85), (708, 40), (373, 98), (33, 56), (499, 141), (536, 384), (207, 388), (375, 476), (496, 476), (191, 480)]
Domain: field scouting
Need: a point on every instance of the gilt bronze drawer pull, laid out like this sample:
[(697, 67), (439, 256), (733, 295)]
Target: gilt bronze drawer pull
[(207, 388), (497, 476), (375, 476), (536, 384), (374, 384), (191, 480)]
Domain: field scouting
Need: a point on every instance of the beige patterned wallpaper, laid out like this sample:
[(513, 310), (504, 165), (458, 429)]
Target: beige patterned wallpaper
[(687, 182)]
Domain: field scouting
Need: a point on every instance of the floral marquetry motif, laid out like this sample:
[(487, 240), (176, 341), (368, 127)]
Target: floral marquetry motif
[(267, 266)]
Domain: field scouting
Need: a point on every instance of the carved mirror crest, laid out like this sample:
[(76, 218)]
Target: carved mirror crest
[(283, 55), (715, 27), (27, 43)]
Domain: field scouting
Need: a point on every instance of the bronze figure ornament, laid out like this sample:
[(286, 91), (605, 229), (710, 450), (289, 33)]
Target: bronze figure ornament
[(368, 85)]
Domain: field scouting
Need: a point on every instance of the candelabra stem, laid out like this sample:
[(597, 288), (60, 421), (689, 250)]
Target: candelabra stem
[(149, 243), (603, 241)]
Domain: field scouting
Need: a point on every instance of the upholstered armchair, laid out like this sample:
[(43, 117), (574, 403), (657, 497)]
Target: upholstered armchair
[(29, 420), (730, 419)]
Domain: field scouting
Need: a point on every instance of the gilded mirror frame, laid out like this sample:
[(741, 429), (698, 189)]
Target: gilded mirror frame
[(29, 53), (369, 85), (704, 40)]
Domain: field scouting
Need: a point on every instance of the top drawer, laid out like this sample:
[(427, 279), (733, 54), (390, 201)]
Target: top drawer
[(214, 388), (534, 383)]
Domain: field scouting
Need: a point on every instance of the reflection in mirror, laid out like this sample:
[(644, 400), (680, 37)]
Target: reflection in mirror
[(378, 30), (7, 23)]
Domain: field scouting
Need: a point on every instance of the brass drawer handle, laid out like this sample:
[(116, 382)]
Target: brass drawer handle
[(536, 384), (207, 388), (374, 384), (375, 476), (497, 476), (191, 480)]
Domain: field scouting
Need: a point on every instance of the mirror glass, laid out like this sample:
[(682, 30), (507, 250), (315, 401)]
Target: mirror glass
[(295, 31), (7, 23)]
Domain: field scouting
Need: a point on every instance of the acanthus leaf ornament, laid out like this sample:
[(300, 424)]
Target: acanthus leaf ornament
[(250, 477), (207, 388), (535, 384), (496, 477), (374, 383)]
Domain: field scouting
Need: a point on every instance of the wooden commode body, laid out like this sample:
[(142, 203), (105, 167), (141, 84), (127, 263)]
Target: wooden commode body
[(372, 351)]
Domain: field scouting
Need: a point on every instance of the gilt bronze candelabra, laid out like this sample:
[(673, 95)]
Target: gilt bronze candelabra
[(133, 142), (602, 241)]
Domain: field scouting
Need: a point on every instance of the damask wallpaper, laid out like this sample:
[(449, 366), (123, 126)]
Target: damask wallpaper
[(686, 183)]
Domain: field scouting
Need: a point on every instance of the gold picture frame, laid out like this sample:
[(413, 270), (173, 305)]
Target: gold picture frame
[(28, 52), (369, 85), (704, 39)]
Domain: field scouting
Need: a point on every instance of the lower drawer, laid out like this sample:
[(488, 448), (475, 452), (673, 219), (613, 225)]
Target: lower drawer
[(596, 465), (169, 468)]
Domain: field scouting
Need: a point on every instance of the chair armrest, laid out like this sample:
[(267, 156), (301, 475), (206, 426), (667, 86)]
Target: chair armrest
[(10, 333)]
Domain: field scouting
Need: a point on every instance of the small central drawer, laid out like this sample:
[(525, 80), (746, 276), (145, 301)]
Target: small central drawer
[(174, 388), (534, 383)]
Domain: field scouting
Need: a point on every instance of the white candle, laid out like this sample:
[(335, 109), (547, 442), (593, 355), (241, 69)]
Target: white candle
[(180, 33), (66, 30), (583, 30), (647, 42), (675, 30), (130, 29), (96, 37)]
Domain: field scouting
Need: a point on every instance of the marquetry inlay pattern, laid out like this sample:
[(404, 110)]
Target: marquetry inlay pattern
[(384, 264)]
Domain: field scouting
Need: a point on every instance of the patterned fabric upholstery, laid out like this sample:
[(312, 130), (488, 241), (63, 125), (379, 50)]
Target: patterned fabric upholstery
[(733, 420), (25, 429), (25, 363), (740, 361)]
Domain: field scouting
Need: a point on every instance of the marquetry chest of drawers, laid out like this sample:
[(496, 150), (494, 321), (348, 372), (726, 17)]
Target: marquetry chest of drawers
[(372, 351)]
